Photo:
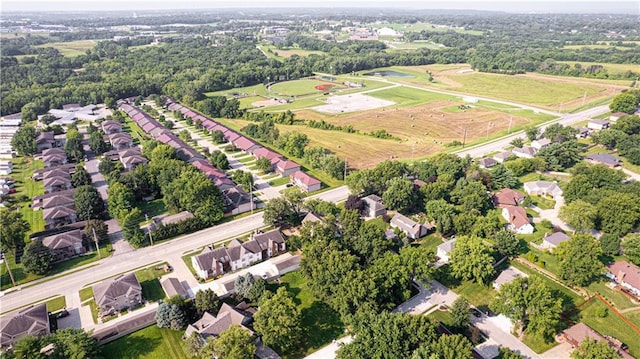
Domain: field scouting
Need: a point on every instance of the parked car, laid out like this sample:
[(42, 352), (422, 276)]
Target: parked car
[(63, 313)]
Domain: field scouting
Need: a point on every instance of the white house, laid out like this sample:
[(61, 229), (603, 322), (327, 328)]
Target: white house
[(543, 188), (518, 219), (551, 241), (444, 251), (538, 144), (524, 152), (597, 124), (626, 275)]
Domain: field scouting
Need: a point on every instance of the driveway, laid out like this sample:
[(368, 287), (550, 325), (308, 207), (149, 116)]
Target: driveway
[(492, 327)]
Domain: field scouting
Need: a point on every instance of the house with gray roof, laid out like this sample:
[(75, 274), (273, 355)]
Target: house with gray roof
[(57, 182), (411, 228), (173, 287), (109, 127), (444, 251), (167, 219), (543, 188), (373, 207), (45, 140), (120, 140), (503, 156), (524, 152), (551, 241), (606, 159), (487, 162), (116, 294), (65, 245), (58, 216), (597, 124), (311, 217), (33, 321), (507, 276), (54, 157), (212, 325), (539, 144)]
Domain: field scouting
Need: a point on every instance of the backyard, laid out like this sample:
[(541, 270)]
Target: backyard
[(148, 343)]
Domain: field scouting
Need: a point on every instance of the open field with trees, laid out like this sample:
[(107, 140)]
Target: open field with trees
[(72, 48)]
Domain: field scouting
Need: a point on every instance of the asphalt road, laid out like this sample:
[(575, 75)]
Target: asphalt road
[(501, 143), (125, 262)]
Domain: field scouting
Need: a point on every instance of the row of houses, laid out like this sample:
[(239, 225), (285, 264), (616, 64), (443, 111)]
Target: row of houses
[(281, 165), (214, 262), (57, 203), (9, 125), (235, 199)]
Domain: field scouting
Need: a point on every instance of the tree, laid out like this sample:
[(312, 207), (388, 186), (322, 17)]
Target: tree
[(80, 177), (517, 142), (264, 165), (559, 156), (257, 289), (192, 191), (24, 141), (110, 169), (624, 102), (243, 285), (631, 247), (453, 347), (354, 202), (506, 353), (591, 349), (170, 316), (89, 204), (73, 146), (37, 258), (217, 137), (245, 179), (120, 200), (579, 262), (506, 242), (194, 344), (529, 303), (580, 215), (610, 244), (219, 160), (619, 213), (278, 321), (471, 259), (99, 227), (97, 143), (399, 194), (75, 344), (278, 212), (27, 347), (207, 301), (460, 313), (532, 133), (12, 229), (234, 343), (559, 133), (503, 177), (131, 231), (443, 213)]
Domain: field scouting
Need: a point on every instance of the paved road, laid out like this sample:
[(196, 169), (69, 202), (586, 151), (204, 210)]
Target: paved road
[(501, 143), (170, 250)]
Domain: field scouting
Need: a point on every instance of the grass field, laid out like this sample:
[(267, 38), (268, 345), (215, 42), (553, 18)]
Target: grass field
[(148, 278), (23, 168), (393, 46), (281, 54), (610, 325), (56, 304), (634, 317), (419, 26), (618, 299), (148, 343), (301, 87), (72, 48), (320, 323)]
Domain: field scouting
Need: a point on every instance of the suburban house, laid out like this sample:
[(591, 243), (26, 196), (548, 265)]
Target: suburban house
[(518, 219), (626, 275), (213, 325), (487, 162), (264, 152), (507, 276), (503, 156), (286, 167), (212, 262), (411, 228), (524, 152), (120, 140), (305, 182), (60, 140), (110, 127), (55, 182), (6, 167), (44, 141), (507, 197), (444, 251), (245, 144), (236, 200), (65, 245), (58, 216), (596, 124), (54, 157), (311, 217), (606, 159), (373, 207), (578, 333), (539, 144), (208, 169), (55, 199), (33, 321), (131, 158), (167, 219), (40, 174), (543, 188), (173, 287), (616, 116), (116, 294), (551, 241)]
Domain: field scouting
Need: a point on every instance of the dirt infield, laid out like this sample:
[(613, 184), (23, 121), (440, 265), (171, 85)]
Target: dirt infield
[(351, 103), (267, 103)]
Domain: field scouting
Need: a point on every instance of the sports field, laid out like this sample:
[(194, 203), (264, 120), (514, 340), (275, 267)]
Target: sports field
[(303, 87), (72, 48)]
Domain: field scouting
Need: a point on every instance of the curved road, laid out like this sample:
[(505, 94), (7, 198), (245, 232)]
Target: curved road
[(118, 263)]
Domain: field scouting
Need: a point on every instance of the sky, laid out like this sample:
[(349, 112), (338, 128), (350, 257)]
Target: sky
[(564, 6)]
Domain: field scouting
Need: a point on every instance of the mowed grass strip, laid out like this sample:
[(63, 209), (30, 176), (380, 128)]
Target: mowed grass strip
[(71, 48), (299, 87), (148, 343)]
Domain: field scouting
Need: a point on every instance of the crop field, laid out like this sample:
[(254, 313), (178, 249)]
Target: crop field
[(72, 48), (551, 92)]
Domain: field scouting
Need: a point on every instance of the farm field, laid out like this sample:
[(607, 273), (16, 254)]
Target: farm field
[(546, 91), (72, 48)]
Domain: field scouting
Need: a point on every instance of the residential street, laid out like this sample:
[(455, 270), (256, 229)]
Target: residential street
[(170, 251)]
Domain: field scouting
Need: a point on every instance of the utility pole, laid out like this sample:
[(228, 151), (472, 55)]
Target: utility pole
[(4, 259), (146, 217), (251, 193), (464, 137), (345, 169), (510, 121), (95, 238)]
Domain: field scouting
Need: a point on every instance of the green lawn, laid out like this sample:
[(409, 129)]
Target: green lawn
[(320, 323), (431, 241), (477, 294), (618, 299), (148, 278), (610, 325), (85, 294), (23, 168), (279, 181), (634, 317), (537, 343), (148, 343), (71, 48), (153, 208), (298, 87), (543, 202), (56, 304), (406, 97), (245, 160)]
